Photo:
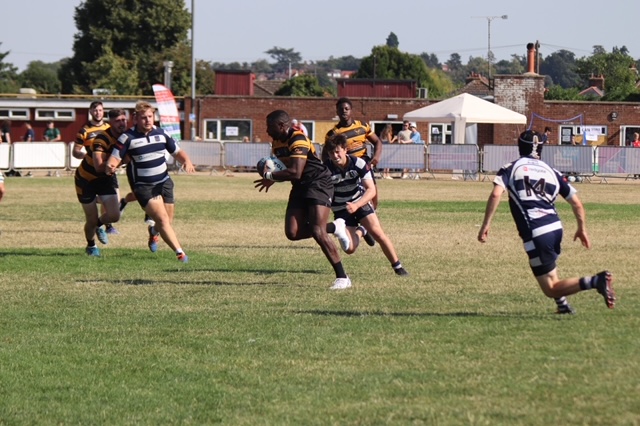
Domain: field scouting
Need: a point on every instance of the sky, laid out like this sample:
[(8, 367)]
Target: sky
[(242, 30)]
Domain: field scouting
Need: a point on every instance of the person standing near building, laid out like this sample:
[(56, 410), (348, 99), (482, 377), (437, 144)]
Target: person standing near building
[(546, 135), (404, 135), (311, 193), (386, 136), (51, 134), (358, 134), (92, 182), (533, 187), (145, 145), (299, 126), (29, 134)]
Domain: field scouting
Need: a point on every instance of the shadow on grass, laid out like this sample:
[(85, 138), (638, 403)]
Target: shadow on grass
[(143, 282), (417, 314)]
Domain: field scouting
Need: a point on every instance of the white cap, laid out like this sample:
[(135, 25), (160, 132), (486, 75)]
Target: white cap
[(294, 121), (412, 124)]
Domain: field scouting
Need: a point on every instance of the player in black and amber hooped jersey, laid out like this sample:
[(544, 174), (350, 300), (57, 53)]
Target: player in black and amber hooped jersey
[(92, 182), (85, 136), (311, 193), (358, 134)]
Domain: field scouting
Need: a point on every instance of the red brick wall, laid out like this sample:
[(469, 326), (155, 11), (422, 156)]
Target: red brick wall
[(521, 93)]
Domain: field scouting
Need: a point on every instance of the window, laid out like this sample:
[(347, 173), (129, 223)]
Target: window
[(14, 114), (626, 134), (310, 125), (583, 135), (378, 126), (56, 114), (227, 130), (440, 133)]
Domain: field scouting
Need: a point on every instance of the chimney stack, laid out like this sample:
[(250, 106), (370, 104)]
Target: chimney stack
[(531, 58)]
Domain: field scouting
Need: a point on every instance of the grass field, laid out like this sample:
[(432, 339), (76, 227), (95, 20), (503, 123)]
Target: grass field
[(248, 333)]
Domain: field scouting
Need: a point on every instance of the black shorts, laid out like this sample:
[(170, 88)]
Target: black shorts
[(316, 193), (355, 218), (543, 251), (88, 190), (145, 192)]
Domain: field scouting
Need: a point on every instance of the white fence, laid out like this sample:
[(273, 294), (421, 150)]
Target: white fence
[(468, 159)]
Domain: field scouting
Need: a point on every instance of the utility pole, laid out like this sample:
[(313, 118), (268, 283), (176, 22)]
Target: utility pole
[(489, 54), (193, 73)]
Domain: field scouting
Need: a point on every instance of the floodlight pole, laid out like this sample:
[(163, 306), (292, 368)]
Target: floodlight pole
[(489, 19), (193, 73)]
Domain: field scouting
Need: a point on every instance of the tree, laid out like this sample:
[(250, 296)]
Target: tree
[(8, 75), (113, 73), (559, 93), (616, 67), (390, 63), (562, 68), (392, 40), (42, 77), (180, 55), (133, 31), (283, 58), (513, 67), (304, 85), (431, 60)]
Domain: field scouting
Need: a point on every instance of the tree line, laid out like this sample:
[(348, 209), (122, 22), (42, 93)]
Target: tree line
[(127, 55)]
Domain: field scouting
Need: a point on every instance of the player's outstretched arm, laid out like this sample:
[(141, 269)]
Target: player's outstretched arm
[(581, 218), (492, 205)]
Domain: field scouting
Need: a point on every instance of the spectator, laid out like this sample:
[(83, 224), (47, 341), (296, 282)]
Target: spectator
[(415, 134), (546, 134), (404, 135), (6, 131), (52, 134), (299, 126), (636, 144), (29, 135), (257, 139), (386, 136)]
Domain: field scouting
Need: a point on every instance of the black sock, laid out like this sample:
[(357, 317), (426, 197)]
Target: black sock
[(331, 228), (561, 302), (339, 270), (99, 223), (91, 243)]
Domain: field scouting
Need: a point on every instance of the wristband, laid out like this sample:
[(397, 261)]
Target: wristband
[(268, 175)]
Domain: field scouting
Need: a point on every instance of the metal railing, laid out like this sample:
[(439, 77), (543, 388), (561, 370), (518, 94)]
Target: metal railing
[(467, 160)]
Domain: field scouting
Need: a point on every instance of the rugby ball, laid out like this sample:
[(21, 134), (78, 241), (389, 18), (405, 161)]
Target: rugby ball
[(270, 164)]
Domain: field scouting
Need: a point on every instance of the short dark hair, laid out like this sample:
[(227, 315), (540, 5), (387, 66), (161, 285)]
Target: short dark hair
[(547, 129), (344, 101), (335, 141), (278, 116), (94, 104), (115, 113)]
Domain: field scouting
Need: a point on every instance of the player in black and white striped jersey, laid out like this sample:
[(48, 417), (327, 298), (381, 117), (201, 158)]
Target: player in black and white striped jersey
[(352, 206), (533, 187)]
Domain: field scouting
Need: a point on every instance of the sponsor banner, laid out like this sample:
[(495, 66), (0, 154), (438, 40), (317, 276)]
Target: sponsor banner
[(169, 117)]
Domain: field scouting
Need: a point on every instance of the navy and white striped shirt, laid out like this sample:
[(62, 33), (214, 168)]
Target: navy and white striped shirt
[(533, 187), (147, 153), (348, 181)]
